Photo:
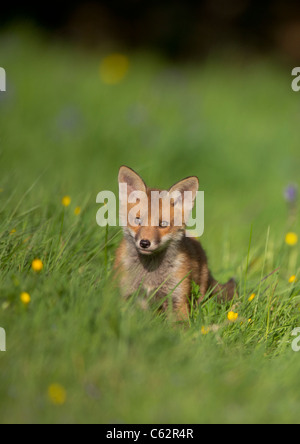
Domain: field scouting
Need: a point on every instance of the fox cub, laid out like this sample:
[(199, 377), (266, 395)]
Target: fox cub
[(158, 258)]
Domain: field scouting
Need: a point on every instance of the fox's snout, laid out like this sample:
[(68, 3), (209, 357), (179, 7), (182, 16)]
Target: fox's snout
[(145, 243), (148, 239)]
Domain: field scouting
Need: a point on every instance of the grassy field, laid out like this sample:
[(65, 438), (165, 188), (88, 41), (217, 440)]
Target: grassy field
[(76, 352)]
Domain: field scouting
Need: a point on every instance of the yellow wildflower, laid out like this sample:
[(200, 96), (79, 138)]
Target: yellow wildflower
[(204, 330), (232, 316), (77, 211), (114, 68), (292, 279), (37, 265), (252, 297), (25, 298), (66, 201), (57, 394), (291, 239)]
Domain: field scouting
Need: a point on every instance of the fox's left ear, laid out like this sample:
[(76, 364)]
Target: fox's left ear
[(188, 184)]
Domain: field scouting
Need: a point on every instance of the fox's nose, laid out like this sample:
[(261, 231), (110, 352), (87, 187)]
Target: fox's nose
[(145, 243)]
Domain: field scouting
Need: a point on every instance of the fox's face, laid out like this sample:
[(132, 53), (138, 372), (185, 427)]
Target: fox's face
[(152, 218)]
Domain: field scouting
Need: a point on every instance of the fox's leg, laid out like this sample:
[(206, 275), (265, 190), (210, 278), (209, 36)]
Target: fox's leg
[(180, 302), (122, 281), (182, 310)]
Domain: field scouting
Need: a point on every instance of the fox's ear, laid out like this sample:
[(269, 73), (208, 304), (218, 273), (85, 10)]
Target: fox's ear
[(188, 184), (133, 181)]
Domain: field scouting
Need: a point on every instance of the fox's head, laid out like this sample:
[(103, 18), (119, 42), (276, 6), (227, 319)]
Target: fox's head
[(152, 218)]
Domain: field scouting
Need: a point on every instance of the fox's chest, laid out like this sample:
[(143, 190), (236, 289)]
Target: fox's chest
[(159, 278)]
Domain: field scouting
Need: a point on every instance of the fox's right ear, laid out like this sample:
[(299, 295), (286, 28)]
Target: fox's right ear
[(133, 181)]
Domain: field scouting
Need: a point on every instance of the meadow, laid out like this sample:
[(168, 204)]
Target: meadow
[(76, 352)]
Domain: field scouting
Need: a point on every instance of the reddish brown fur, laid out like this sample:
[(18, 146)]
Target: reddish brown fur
[(176, 260)]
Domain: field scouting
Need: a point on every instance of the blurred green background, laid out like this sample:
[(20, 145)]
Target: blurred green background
[(76, 109)]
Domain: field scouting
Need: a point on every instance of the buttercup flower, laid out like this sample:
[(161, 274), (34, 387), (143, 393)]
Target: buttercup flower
[(25, 298), (252, 297), (37, 265), (66, 201), (292, 279), (232, 316), (114, 68), (291, 239), (204, 330), (77, 211), (57, 394)]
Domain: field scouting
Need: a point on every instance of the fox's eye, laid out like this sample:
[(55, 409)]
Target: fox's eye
[(138, 221), (164, 224)]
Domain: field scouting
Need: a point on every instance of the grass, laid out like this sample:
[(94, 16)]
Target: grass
[(64, 132)]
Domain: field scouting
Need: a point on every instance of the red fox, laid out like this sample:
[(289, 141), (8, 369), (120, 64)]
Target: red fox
[(161, 259)]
